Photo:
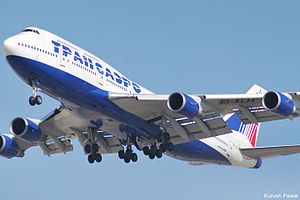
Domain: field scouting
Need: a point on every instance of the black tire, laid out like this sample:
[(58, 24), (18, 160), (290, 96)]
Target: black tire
[(151, 156), (170, 146), (95, 148), (98, 157), (128, 153), (162, 147), (134, 157), (146, 151), (167, 137), (126, 160), (153, 149), (88, 148), (31, 101), (121, 154), (38, 100), (159, 154), (91, 158)]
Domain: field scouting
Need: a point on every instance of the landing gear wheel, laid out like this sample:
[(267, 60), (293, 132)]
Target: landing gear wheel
[(128, 153), (91, 158), (134, 157), (98, 157), (38, 100), (146, 151), (162, 148), (151, 156), (169, 146), (153, 149), (95, 148), (121, 154), (126, 160), (31, 101), (88, 148), (158, 154), (167, 137)]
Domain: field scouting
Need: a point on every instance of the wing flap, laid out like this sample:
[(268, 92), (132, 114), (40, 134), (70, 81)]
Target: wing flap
[(268, 152)]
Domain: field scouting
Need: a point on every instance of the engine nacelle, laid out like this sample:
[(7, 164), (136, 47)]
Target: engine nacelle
[(185, 105), (26, 129), (9, 148), (279, 103)]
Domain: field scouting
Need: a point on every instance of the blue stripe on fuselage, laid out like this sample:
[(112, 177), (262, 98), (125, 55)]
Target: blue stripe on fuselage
[(60, 84), (200, 152)]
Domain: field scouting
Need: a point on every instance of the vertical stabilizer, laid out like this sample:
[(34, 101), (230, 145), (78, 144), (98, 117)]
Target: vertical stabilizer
[(251, 131)]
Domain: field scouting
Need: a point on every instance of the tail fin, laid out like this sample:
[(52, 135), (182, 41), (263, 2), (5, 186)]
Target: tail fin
[(251, 131)]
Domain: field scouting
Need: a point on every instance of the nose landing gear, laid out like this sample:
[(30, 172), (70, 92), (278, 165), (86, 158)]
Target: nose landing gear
[(35, 99)]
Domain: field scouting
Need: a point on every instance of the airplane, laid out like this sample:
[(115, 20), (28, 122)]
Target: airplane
[(110, 114)]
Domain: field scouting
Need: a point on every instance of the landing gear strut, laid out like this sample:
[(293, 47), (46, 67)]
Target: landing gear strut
[(92, 147), (35, 99)]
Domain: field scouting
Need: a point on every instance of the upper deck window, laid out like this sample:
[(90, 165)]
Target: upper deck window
[(30, 30)]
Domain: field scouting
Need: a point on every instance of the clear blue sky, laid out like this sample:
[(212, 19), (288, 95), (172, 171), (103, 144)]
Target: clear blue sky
[(167, 46)]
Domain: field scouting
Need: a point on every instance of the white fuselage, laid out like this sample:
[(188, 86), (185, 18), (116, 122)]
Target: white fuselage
[(47, 48)]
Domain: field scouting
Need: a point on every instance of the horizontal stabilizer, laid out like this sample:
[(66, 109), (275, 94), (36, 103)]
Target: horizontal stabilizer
[(268, 152)]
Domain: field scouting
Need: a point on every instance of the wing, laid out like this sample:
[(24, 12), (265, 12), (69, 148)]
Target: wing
[(268, 152), (248, 107), (153, 108), (61, 126)]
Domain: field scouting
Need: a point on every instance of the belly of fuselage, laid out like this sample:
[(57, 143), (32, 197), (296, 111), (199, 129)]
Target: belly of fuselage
[(198, 151)]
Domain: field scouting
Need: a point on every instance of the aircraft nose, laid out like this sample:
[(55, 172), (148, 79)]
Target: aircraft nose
[(8, 46)]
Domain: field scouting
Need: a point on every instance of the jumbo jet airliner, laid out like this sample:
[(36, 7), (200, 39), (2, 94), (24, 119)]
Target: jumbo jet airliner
[(109, 113)]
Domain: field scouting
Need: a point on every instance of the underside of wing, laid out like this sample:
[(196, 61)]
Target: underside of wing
[(154, 109), (61, 126)]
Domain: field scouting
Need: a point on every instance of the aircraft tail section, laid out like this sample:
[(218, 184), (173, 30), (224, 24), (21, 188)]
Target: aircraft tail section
[(251, 131)]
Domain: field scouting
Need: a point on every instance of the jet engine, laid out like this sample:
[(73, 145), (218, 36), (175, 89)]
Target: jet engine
[(279, 103), (26, 129), (185, 105), (9, 148)]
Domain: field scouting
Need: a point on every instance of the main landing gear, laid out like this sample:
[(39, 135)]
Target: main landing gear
[(128, 154), (35, 99), (92, 151), (92, 148), (165, 146), (158, 147)]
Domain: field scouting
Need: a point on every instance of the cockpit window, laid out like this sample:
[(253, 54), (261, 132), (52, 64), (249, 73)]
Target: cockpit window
[(30, 30)]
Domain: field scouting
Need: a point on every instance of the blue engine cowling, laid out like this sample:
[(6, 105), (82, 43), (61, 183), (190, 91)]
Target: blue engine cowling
[(26, 129), (279, 103), (258, 164), (184, 105), (9, 148)]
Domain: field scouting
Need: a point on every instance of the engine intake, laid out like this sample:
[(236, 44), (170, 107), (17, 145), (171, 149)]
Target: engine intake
[(9, 148), (26, 129), (186, 105), (279, 103)]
